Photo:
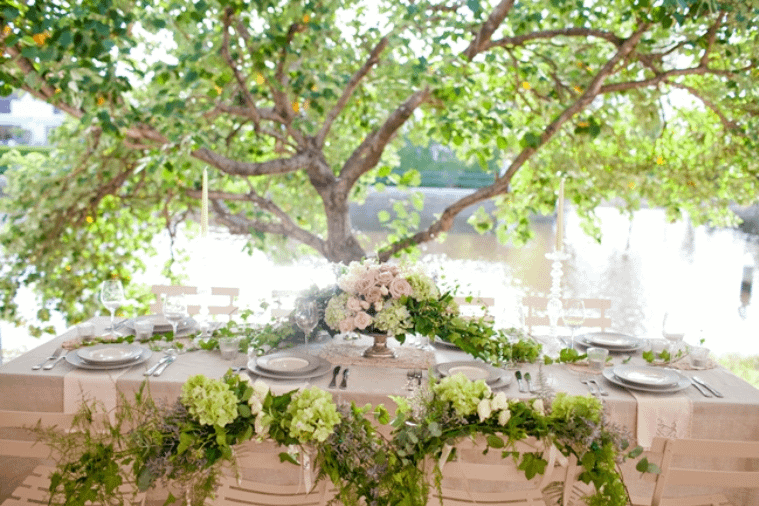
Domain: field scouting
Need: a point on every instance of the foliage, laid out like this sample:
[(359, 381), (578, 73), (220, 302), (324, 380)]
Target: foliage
[(298, 107), (187, 442)]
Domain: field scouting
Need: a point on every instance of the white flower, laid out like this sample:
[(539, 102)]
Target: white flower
[(483, 409), (538, 406), (504, 416), (499, 401), (260, 389)]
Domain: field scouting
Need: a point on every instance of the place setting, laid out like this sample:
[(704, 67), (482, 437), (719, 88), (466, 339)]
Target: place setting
[(475, 370), (647, 379), (289, 366), (108, 356), (614, 342)]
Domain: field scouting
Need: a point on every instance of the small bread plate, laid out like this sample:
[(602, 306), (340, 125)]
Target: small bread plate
[(471, 369), (76, 361), (653, 377), (682, 384), (612, 341), (322, 368), (109, 354), (288, 363)]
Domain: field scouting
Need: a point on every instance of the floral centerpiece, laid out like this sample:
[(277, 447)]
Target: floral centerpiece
[(378, 299)]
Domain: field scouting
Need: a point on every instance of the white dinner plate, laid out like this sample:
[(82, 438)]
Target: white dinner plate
[(105, 354), (611, 339), (471, 369), (288, 363), (73, 359), (323, 368), (684, 383), (161, 324), (653, 377), (635, 345)]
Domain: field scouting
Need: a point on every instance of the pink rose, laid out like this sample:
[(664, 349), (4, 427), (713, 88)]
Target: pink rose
[(373, 295), (346, 325), (365, 305), (366, 282), (400, 287), (362, 320), (378, 306), (353, 304), (385, 277)]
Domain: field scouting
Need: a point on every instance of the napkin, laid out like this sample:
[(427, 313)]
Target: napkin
[(662, 415)]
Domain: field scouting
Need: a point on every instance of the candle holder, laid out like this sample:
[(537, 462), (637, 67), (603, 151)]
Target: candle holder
[(554, 307)]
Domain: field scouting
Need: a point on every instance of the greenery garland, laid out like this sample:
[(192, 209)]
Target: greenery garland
[(186, 443)]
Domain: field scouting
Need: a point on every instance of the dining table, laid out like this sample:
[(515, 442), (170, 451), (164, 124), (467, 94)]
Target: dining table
[(683, 412)]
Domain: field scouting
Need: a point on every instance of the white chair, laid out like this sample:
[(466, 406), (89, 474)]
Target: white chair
[(265, 481), (537, 315), (18, 441), (705, 464), (474, 478), (226, 295)]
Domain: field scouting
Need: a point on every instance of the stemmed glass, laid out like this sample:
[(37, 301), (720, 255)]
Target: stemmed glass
[(306, 316), (573, 316), (174, 310), (112, 297)]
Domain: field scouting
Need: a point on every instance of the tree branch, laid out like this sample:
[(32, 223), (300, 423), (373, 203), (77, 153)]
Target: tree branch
[(482, 39), (726, 123), (237, 168), (349, 89), (549, 34), (368, 153), (242, 82)]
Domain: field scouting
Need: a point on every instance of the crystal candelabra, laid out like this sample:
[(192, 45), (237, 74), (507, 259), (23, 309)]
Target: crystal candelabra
[(554, 302)]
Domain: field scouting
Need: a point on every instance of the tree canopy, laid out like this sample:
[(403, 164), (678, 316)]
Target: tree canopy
[(298, 107)]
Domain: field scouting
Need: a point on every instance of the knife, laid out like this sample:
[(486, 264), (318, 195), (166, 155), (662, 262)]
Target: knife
[(703, 383), (701, 389), (156, 366), (163, 366)]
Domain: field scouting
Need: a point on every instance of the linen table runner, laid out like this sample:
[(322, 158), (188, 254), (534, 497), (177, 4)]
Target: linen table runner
[(662, 415), (80, 384)]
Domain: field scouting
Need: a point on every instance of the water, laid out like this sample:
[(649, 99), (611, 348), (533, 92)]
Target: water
[(645, 266)]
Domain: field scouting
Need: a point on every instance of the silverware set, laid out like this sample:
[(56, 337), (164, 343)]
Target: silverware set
[(705, 389), (335, 374), (169, 357), (51, 361), (594, 386), (413, 376)]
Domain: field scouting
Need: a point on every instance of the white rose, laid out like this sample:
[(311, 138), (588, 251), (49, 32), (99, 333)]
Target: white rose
[(483, 409), (538, 406), (499, 401), (353, 304), (362, 320), (260, 389), (255, 405), (504, 416)]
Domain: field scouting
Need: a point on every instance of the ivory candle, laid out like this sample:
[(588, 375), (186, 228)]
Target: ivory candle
[(560, 218), (204, 205)]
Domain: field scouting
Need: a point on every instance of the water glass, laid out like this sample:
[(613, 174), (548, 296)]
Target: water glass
[(699, 357), (143, 330), (597, 358), (658, 346), (229, 346), (86, 331)]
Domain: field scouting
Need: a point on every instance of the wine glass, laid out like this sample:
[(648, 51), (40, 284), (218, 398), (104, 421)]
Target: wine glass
[(573, 314), (174, 310), (306, 316), (112, 297), (673, 328)]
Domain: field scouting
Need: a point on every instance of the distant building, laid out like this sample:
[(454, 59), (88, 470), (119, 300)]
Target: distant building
[(26, 121)]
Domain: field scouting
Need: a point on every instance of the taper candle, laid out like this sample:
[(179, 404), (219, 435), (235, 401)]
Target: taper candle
[(560, 218), (204, 205)]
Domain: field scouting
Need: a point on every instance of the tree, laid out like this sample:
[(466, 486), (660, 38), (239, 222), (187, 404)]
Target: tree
[(298, 106)]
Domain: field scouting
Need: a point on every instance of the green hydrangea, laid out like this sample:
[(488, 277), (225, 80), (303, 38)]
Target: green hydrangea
[(313, 415), (335, 312), (209, 401), (463, 394), (565, 407), (393, 319), (424, 287)]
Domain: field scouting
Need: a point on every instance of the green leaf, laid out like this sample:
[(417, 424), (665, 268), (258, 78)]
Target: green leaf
[(495, 441)]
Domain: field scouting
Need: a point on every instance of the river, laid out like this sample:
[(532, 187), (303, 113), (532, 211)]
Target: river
[(644, 265)]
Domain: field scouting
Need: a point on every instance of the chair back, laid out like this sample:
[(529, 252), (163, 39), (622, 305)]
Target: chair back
[(474, 478), (537, 312), (705, 463), (222, 300)]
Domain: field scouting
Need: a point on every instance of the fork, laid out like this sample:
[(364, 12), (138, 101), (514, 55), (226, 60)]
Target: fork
[(601, 389), (586, 380), (54, 356)]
